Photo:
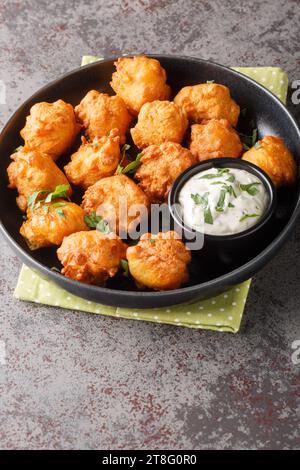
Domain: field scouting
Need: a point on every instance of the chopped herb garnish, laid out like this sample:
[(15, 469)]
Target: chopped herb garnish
[(60, 212), (103, 226), (247, 216), (210, 81), (230, 204), (231, 179), (92, 219), (96, 221), (222, 171), (152, 241), (123, 155), (33, 197), (250, 188), (217, 182), (248, 140), (203, 200), (19, 148), (132, 166), (257, 145), (209, 176), (124, 266), (220, 204), (61, 191)]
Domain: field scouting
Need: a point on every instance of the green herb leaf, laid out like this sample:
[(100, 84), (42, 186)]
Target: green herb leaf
[(92, 219), (60, 212), (152, 241), (123, 155), (103, 226), (208, 218), (18, 148), (210, 81), (198, 199), (31, 200), (248, 140), (250, 188), (247, 216), (132, 166), (257, 145), (124, 266), (222, 171), (220, 204), (61, 191), (203, 200), (231, 179), (230, 205)]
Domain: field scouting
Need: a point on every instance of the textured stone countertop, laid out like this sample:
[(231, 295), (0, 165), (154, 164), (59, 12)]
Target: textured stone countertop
[(74, 380)]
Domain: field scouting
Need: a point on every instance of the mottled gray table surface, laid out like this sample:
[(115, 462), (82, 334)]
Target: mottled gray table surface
[(74, 380)]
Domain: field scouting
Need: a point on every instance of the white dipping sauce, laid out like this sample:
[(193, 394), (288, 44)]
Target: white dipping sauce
[(223, 201)]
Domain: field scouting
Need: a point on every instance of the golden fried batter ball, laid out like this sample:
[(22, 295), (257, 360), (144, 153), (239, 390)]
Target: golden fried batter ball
[(272, 156), (139, 80), (94, 160), (50, 128), (159, 261), (91, 257), (208, 101), (99, 113), (158, 122), (214, 139), (160, 166), (32, 171), (49, 223), (109, 197)]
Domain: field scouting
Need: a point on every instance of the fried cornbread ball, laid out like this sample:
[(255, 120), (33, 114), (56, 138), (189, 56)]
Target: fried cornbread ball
[(272, 156), (32, 171), (160, 166), (49, 223), (158, 122), (159, 261), (94, 160), (208, 101), (119, 201), (214, 139), (91, 257), (100, 113), (139, 80), (50, 128)]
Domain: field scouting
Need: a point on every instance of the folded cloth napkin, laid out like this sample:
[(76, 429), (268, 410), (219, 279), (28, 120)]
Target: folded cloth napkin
[(222, 313)]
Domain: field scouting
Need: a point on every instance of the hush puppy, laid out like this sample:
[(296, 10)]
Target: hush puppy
[(160, 166), (49, 223), (159, 261), (214, 139), (50, 128), (272, 156), (94, 160), (158, 122), (139, 80), (119, 201), (208, 101), (32, 171), (100, 113), (91, 257)]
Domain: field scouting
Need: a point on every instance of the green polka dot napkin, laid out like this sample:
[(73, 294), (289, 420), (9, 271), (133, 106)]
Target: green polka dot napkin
[(222, 313)]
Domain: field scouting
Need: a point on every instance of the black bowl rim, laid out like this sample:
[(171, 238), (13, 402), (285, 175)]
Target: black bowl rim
[(233, 277), (219, 163)]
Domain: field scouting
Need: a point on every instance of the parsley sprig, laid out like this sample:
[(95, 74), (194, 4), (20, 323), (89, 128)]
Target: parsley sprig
[(38, 197), (96, 221)]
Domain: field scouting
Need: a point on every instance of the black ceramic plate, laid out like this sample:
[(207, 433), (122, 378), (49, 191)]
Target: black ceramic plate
[(206, 278)]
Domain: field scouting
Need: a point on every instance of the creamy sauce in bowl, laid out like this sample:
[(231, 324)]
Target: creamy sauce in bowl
[(223, 201)]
